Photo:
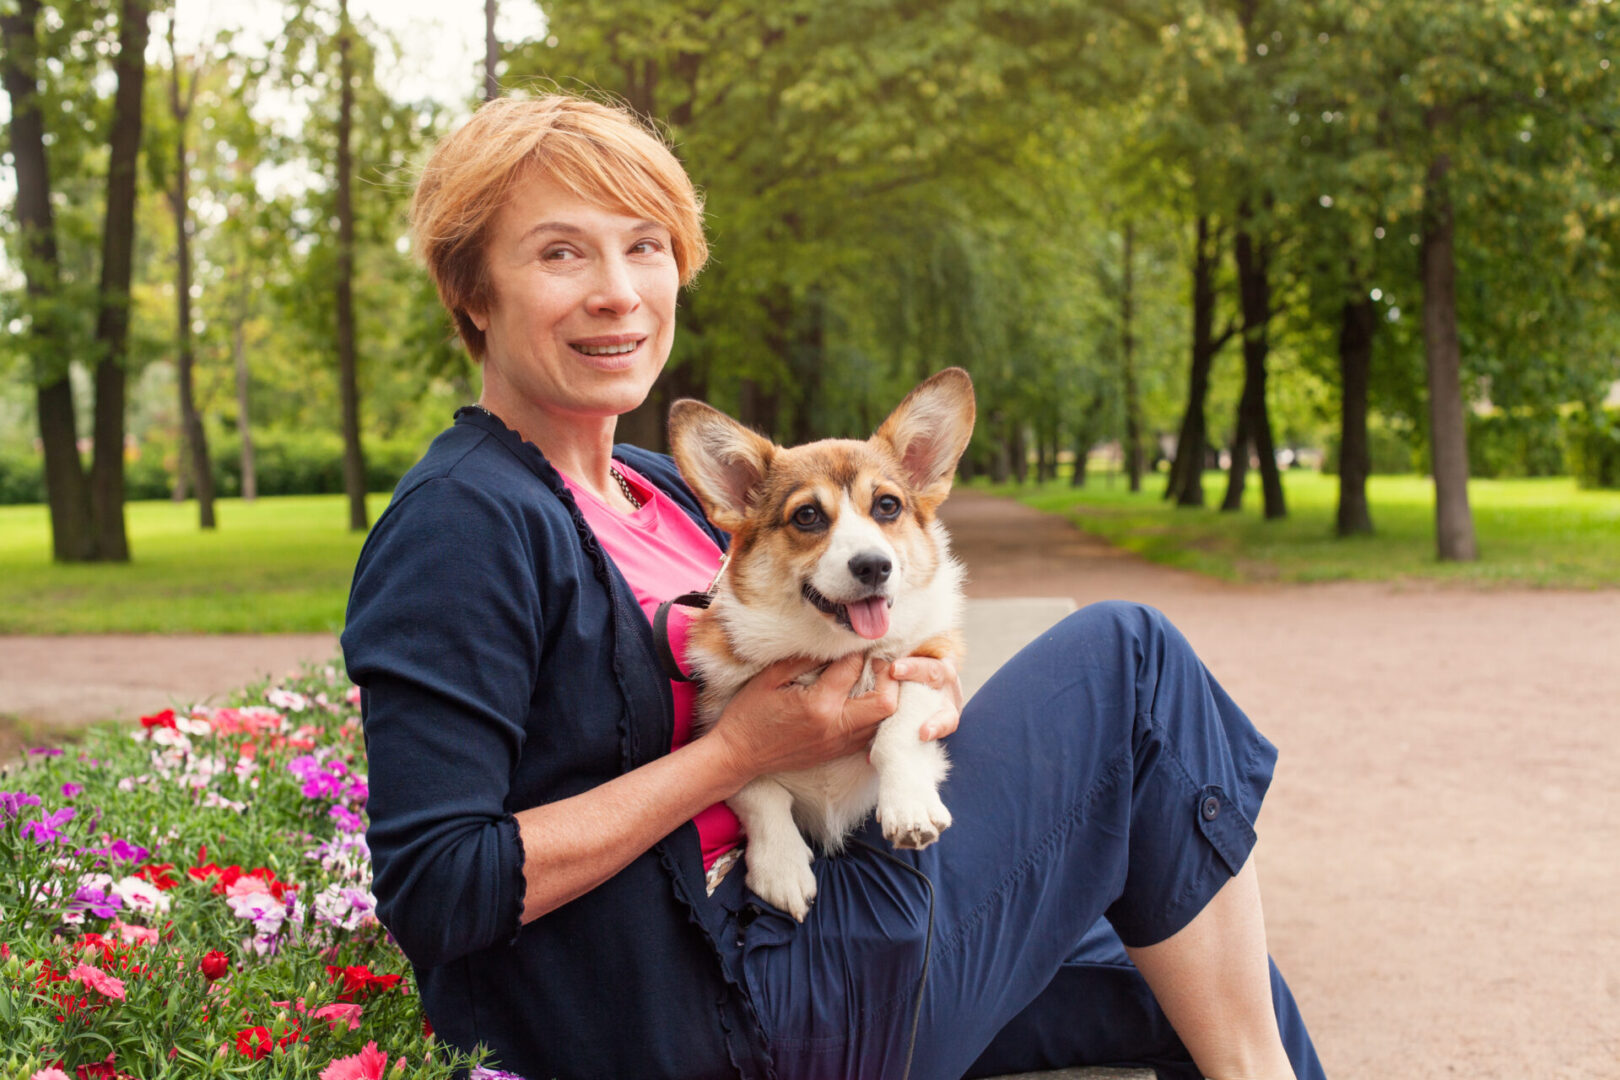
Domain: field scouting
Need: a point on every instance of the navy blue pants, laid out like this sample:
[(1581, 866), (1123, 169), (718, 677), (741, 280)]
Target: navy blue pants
[(1103, 788)]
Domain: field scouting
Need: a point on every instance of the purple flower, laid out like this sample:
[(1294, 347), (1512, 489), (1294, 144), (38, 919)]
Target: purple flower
[(47, 829), (12, 803), (347, 819), (124, 851), (89, 900), (482, 1073), (47, 751), (70, 790)]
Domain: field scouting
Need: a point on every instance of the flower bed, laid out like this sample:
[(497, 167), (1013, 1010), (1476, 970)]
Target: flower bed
[(192, 898)]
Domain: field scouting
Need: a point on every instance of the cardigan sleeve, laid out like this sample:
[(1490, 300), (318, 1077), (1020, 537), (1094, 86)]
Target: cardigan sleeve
[(443, 637)]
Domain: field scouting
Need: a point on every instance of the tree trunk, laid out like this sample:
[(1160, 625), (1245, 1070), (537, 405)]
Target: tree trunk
[(244, 423), (1359, 321), (112, 302), (1082, 448), (66, 490), (195, 439), (354, 462), (1254, 288), (757, 407), (492, 52), (1448, 428), (1001, 456), (1237, 472), (1187, 472), (1133, 407), (1018, 444)]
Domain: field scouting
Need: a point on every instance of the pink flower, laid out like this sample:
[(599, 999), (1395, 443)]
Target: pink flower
[(368, 1064), (98, 980), (247, 885), (134, 935), (338, 1013), (50, 1074)]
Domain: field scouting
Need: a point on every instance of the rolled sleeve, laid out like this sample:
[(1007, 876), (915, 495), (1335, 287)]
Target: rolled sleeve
[(444, 639)]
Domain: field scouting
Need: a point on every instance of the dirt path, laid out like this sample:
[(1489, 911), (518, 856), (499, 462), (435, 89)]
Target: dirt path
[(1441, 846)]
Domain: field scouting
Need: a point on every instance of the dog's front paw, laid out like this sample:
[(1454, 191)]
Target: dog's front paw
[(782, 878), (913, 822)]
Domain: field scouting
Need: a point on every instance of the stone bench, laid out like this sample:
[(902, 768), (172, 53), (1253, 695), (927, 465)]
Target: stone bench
[(997, 628), (1099, 1072)]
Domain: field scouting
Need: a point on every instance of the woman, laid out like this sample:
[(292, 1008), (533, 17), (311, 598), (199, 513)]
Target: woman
[(551, 848)]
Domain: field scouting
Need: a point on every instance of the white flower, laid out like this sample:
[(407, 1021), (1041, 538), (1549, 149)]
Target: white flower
[(215, 801), (193, 727), (287, 699), (143, 896)]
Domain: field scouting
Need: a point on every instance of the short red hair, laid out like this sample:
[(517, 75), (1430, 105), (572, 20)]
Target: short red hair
[(600, 152)]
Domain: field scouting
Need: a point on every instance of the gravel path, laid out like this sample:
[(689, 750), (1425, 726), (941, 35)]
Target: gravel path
[(1441, 846)]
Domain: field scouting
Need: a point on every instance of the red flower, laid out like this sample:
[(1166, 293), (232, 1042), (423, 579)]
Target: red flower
[(254, 1042), (215, 965), (291, 1034), (427, 1028), (157, 720), (101, 1070), (161, 875), (359, 982)]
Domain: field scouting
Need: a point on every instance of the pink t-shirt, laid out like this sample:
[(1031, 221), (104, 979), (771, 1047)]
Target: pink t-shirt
[(662, 553)]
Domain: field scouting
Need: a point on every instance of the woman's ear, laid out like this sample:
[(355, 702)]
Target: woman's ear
[(478, 319), (722, 460)]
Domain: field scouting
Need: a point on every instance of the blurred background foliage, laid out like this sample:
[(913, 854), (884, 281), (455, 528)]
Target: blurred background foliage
[(1083, 202)]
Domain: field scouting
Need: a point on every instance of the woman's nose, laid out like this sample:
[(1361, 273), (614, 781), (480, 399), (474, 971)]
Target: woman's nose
[(614, 291)]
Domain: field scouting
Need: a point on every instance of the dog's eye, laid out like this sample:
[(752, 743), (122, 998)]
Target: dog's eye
[(886, 508), (807, 517)]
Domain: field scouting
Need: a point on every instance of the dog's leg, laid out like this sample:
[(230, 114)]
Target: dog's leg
[(910, 771), (778, 858)]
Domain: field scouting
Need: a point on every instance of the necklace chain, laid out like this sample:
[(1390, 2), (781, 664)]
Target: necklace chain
[(624, 485)]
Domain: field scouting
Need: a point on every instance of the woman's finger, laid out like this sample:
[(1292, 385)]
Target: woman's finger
[(939, 725)]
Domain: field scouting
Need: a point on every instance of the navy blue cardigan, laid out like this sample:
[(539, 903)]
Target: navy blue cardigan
[(503, 664)]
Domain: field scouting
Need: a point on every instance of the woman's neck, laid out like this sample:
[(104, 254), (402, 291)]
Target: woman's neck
[(580, 448)]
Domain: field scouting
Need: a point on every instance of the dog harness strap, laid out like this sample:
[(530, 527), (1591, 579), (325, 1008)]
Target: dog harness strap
[(666, 655)]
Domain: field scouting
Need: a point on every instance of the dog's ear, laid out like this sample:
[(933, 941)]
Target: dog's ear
[(721, 459), (930, 430)]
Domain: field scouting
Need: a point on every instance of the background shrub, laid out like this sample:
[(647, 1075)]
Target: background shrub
[(288, 463), (1514, 444), (1594, 448)]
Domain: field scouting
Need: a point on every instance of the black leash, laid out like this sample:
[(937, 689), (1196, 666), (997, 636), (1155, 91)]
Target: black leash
[(928, 945), (699, 600)]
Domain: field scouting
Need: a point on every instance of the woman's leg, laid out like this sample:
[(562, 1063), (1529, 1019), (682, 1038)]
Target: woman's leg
[(1213, 980), (1102, 771)]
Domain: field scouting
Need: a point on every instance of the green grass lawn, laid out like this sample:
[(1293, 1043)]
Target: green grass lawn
[(283, 564), (1543, 532), (273, 565)]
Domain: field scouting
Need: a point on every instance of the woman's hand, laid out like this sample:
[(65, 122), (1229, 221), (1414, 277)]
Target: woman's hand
[(776, 725), (941, 674)]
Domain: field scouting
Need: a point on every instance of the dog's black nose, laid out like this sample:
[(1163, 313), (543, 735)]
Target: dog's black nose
[(871, 568)]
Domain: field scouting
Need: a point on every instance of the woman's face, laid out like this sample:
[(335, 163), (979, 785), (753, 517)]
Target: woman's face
[(584, 309)]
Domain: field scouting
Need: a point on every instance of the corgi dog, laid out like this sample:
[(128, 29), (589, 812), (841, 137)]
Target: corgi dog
[(835, 549)]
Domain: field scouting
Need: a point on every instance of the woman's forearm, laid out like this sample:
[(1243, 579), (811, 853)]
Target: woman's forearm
[(573, 845)]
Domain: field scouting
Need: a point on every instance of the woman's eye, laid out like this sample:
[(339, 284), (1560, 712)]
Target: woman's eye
[(887, 506), (646, 247), (807, 517), (558, 254)]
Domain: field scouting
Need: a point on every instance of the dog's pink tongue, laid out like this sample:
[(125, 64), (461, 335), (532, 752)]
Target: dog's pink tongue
[(870, 618)]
